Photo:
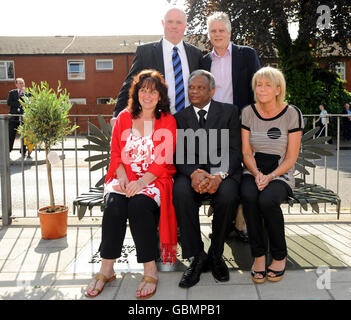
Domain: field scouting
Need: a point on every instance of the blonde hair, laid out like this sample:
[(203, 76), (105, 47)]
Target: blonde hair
[(273, 75)]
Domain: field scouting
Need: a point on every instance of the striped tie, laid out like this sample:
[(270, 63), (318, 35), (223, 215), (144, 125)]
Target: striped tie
[(178, 79)]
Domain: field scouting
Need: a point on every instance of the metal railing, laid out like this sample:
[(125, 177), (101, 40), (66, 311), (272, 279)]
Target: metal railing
[(24, 182), (29, 190)]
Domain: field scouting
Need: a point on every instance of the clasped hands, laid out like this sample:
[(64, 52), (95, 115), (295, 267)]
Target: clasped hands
[(262, 180), (129, 188), (203, 182)]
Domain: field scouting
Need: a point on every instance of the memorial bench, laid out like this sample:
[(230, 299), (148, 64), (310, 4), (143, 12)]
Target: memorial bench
[(304, 194)]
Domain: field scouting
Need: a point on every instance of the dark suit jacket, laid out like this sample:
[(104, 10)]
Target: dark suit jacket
[(345, 120), (245, 63), (150, 56), (14, 103), (220, 116)]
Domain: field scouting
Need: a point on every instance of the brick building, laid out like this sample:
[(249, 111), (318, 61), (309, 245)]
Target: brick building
[(91, 68)]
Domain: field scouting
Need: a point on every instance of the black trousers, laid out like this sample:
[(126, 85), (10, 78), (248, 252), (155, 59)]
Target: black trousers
[(264, 205), (187, 203), (14, 122), (142, 213), (347, 129)]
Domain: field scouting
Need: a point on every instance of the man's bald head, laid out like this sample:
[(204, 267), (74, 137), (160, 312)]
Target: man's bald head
[(174, 25)]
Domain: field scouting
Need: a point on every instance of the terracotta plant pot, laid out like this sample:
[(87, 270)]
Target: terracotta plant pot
[(53, 224)]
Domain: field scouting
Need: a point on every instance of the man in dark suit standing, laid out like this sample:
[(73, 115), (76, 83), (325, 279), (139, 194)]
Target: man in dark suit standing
[(201, 175), (13, 101), (233, 66), (172, 57)]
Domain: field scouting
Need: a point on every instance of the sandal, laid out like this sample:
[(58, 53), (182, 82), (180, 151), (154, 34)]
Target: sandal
[(278, 275), (258, 280), (147, 279), (102, 278)]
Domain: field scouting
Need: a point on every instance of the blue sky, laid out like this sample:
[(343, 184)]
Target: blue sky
[(82, 17)]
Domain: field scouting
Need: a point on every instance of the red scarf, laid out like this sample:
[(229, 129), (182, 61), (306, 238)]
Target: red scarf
[(164, 173)]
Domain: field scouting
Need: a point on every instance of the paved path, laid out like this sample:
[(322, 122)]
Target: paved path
[(319, 261)]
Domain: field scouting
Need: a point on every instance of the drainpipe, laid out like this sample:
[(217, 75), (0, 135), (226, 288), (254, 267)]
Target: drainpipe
[(6, 206)]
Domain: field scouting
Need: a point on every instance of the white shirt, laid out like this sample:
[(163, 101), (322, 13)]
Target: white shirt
[(204, 108), (221, 68), (324, 117), (167, 48)]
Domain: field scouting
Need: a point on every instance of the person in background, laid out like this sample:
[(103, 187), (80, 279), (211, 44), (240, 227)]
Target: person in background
[(172, 57), (271, 133), (346, 122), (323, 118), (14, 102), (138, 184)]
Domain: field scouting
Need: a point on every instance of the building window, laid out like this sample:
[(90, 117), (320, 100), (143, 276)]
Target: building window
[(104, 64), (7, 70), (102, 100), (78, 101), (340, 68), (3, 101), (76, 69)]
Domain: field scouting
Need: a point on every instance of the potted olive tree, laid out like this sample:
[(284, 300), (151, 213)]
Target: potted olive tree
[(45, 123)]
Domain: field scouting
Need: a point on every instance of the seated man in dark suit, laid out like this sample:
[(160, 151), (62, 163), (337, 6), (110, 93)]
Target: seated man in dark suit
[(211, 170)]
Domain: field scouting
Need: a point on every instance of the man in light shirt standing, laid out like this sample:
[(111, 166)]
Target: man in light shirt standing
[(233, 67), (172, 57)]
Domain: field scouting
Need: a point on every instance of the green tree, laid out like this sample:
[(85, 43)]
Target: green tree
[(323, 29), (46, 121)]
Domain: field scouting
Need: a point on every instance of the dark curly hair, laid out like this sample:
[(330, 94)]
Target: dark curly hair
[(150, 79)]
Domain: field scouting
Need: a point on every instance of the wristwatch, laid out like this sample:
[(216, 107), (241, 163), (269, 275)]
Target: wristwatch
[(223, 175)]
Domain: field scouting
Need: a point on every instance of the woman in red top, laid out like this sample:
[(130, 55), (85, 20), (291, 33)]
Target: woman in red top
[(138, 184)]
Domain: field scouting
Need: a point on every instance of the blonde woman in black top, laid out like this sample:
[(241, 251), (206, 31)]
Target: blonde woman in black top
[(271, 135)]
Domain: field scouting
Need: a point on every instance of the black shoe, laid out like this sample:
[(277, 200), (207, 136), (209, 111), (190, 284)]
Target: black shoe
[(256, 279), (278, 275), (219, 269), (233, 232), (243, 236), (191, 276), (239, 234)]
